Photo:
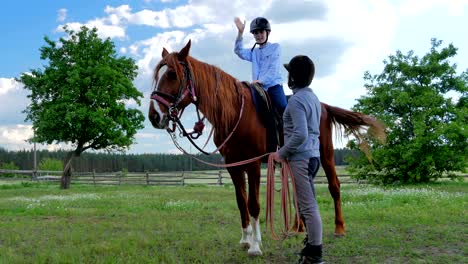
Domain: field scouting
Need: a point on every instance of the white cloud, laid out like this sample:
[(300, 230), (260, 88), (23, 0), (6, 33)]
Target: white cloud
[(133, 49), (196, 13), (13, 100), (296, 10), (151, 50), (75, 26), (8, 85), (150, 18), (117, 14), (416, 7), (104, 30), (107, 31), (368, 28), (15, 137), (61, 15), (186, 16), (182, 16)]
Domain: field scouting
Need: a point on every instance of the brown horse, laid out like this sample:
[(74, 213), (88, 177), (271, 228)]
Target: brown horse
[(227, 104)]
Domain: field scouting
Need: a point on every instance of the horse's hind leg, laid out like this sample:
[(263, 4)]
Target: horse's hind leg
[(238, 179), (328, 164), (253, 173)]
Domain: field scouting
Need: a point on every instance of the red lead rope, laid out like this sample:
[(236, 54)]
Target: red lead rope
[(286, 210)]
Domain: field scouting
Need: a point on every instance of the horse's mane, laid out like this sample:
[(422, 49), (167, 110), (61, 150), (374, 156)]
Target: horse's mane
[(219, 94)]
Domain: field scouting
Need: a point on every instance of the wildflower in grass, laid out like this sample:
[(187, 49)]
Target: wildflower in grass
[(181, 205), (72, 197), (369, 196)]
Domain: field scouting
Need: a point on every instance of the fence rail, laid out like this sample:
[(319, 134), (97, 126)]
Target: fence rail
[(176, 178), (180, 178)]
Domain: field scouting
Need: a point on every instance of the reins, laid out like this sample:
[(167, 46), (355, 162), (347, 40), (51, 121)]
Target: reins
[(286, 210), (181, 127), (239, 163)]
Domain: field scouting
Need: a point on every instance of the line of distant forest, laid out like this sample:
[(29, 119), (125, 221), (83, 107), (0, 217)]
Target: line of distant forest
[(111, 162)]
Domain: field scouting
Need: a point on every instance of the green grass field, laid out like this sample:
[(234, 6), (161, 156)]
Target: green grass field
[(199, 224)]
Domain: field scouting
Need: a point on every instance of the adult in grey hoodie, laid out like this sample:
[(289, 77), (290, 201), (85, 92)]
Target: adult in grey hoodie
[(301, 148)]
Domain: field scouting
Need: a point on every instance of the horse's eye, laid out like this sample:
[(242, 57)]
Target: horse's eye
[(172, 75)]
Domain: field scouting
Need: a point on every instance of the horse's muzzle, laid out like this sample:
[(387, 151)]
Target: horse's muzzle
[(157, 119)]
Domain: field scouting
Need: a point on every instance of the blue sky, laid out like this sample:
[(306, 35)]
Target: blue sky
[(40, 18), (344, 38)]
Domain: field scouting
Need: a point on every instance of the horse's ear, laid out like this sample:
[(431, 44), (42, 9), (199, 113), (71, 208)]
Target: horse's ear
[(164, 53), (185, 51)]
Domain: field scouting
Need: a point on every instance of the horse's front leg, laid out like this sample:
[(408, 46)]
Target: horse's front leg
[(254, 209), (238, 179)]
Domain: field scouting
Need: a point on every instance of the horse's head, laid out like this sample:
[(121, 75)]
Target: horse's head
[(173, 89)]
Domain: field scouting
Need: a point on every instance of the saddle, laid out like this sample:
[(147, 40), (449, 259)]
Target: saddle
[(269, 117)]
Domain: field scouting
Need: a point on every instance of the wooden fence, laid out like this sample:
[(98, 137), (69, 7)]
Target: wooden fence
[(177, 178), (150, 178)]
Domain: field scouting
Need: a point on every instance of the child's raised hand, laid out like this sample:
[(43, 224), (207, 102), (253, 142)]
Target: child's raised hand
[(239, 24)]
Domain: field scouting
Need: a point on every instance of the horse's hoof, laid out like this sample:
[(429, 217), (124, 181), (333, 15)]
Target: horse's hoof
[(254, 253), (339, 235), (245, 245), (340, 231)]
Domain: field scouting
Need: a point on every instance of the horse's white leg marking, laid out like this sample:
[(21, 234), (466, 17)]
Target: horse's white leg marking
[(246, 239), (254, 249)]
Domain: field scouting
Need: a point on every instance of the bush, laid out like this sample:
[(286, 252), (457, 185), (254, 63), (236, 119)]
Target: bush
[(50, 164), (8, 166)]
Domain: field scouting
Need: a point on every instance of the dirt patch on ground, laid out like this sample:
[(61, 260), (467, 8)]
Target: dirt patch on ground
[(438, 251)]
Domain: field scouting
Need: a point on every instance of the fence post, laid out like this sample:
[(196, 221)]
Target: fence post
[(183, 179), (147, 178), (94, 177), (119, 174), (220, 178)]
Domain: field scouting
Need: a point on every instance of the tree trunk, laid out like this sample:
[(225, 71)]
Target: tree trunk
[(67, 170)]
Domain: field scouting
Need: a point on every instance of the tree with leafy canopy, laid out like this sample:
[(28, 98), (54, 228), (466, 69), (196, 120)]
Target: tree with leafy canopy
[(81, 96), (423, 102)]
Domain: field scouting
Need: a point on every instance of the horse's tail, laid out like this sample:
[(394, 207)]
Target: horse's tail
[(354, 123)]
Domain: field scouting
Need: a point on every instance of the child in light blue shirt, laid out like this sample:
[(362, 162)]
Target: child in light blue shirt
[(265, 60)]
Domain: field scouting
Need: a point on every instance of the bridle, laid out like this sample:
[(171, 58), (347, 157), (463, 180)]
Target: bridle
[(186, 88)]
